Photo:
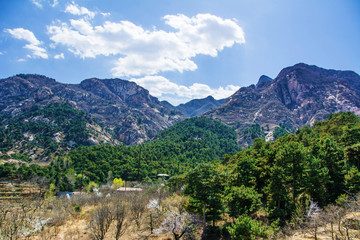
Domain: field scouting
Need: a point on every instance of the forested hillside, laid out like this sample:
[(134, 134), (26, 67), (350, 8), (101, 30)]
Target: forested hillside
[(281, 178), (255, 192), (174, 151)]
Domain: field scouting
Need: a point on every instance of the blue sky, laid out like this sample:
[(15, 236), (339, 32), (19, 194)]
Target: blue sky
[(177, 49)]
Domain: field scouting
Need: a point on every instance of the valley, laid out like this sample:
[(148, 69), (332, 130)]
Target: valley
[(271, 161)]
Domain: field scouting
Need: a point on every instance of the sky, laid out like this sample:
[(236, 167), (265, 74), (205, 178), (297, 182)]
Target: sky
[(177, 49)]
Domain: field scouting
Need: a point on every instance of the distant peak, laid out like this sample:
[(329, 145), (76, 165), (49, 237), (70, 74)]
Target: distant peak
[(301, 65), (210, 97), (262, 80)]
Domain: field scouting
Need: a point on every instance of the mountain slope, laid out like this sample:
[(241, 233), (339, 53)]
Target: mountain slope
[(173, 151), (117, 110), (298, 96)]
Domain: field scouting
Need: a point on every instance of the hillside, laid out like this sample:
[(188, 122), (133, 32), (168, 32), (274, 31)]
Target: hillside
[(307, 180), (298, 96), (110, 111), (173, 151), (43, 132)]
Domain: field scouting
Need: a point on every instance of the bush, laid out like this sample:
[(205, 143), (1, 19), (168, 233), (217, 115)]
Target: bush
[(247, 228)]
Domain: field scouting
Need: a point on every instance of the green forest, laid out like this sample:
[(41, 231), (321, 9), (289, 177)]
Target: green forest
[(277, 179)]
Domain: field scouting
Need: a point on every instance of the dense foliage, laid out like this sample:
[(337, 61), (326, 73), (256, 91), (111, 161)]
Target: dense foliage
[(316, 164), (281, 177), (174, 151)]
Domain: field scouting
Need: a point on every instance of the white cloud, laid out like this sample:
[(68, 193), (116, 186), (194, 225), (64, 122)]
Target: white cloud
[(37, 51), (1, 53), (105, 14), (23, 34), (75, 9), (147, 52), (37, 3), (33, 46), (21, 60), (164, 89), (59, 56)]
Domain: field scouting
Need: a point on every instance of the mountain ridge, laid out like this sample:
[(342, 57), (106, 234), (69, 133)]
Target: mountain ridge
[(128, 110), (125, 113), (298, 96)]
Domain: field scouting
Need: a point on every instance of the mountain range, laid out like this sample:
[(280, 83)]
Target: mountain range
[(299, 95), (121, 106), (121, 112)]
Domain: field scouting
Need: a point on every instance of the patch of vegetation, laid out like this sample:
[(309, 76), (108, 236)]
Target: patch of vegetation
[(42, 123), (253, 132), (282, 130)]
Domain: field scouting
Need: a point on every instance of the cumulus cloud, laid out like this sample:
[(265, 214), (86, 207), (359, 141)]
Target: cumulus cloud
[(33, 45), (75, 9), (164, 89), (147, 52), (59, 56)]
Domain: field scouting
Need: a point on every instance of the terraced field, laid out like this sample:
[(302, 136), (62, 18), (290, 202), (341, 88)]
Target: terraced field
[(16, 190)]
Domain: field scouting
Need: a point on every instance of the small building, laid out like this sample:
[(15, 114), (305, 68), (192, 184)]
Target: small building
[(129, 189)]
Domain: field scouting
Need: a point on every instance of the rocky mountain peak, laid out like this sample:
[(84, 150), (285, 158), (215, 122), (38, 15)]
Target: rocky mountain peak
[(299, 95), (263, 81)]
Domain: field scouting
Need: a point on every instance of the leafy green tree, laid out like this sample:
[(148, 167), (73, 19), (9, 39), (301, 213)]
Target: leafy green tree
[(287, 181), (352, 180), (241, 200), (247, 228), (244, 171), (118, 182), (317, 180), (332, 156), (352, 154), (205, 190)]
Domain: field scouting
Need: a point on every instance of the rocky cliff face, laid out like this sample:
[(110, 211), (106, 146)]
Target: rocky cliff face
[(298, 96), (124, 108)]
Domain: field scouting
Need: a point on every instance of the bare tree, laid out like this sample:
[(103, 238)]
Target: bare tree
[(179, 224), (119, 216), (313, 216), (100, 221), (329, 216), (137, 207), (19, 218)]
